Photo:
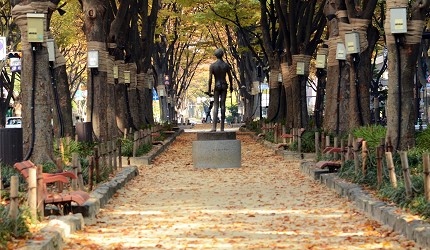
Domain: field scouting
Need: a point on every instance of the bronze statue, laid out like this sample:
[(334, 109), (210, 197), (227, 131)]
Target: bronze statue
[(219, 70)]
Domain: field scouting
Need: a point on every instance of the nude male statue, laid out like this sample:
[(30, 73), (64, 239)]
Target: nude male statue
[(219, 70)]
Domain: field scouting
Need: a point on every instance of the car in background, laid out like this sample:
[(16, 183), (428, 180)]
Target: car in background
[(13, 122)]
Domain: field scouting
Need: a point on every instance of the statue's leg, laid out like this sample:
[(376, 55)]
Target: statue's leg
[(215, 111), (223, 97)]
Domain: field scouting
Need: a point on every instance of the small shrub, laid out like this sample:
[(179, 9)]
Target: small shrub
[(308, 142), (144, 149), (127, 147), (17, 228), (371, 134), (423, 139)]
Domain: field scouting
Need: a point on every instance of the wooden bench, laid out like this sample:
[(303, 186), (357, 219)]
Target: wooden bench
[(290, 138), (334, 165), (62, 200)]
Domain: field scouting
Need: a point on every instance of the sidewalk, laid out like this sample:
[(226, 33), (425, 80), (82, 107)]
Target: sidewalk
[(266, 204)]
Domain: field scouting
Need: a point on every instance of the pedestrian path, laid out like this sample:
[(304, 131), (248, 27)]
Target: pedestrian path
[(266, 204)]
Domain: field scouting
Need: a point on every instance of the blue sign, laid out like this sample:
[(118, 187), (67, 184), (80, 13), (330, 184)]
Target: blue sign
[(154, 95)]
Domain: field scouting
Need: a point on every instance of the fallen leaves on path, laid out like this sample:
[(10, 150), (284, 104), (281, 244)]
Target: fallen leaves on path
[(265, 204)]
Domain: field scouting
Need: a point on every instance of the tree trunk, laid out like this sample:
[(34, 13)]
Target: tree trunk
[(36, 92), (275, 93), (60, 76), (400, 106), (360, 103), (94, 29), (319, 102)]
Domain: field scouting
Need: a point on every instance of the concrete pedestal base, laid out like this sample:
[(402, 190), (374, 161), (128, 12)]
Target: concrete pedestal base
[(216, 150)]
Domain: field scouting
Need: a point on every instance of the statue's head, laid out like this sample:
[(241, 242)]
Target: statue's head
[(219, 53)]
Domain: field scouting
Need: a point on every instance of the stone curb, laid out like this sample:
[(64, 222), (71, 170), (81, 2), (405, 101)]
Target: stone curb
[(60, 227), (392, 216), (148, 158)]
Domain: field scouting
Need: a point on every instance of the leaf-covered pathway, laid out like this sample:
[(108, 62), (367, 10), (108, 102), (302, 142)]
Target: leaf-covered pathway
[(266, 204)]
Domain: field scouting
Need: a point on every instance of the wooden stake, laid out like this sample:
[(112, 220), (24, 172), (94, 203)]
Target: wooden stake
[(426, 164), (91, 171), (327, 143), (109, 152), (350, 152), (135, 143), (355, 153), (96, 164), (335, 144), (80, 177), (59, 163), (317, 146), (284, 131), (32, 192), (40, 193), (322, 141), (75, 159), (406, 173), (391, 169), (379, 151), (342, 153), (364, 154), (61, 148), (114, 154), (13, 210), (299, 143)]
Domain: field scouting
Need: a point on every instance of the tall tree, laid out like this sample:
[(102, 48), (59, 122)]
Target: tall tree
[(95, 29), (37, 133), (403, 52)]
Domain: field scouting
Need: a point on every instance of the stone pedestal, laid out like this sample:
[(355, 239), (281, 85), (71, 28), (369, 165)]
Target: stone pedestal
[(216, 150)]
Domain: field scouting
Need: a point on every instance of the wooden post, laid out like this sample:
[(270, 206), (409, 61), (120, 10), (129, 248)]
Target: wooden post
[(109, 152), (40, 193), (356, 160), (389, 145), (103, 154), (96, 164), (61, 148), (59, 163), (322, 141), (350, 152), (317, 145), (275, 133), (342, 152), (364, 154), (327, 143), (284, 131), (391, 168), (75, 159), (299, 143), (125, 133), (379, 151), (336, 144), (90, 172), (119, 154), (426, 164), (80, 177), (406, 173), (135, 143), (114, 155), (13, 210), (32, 192)]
